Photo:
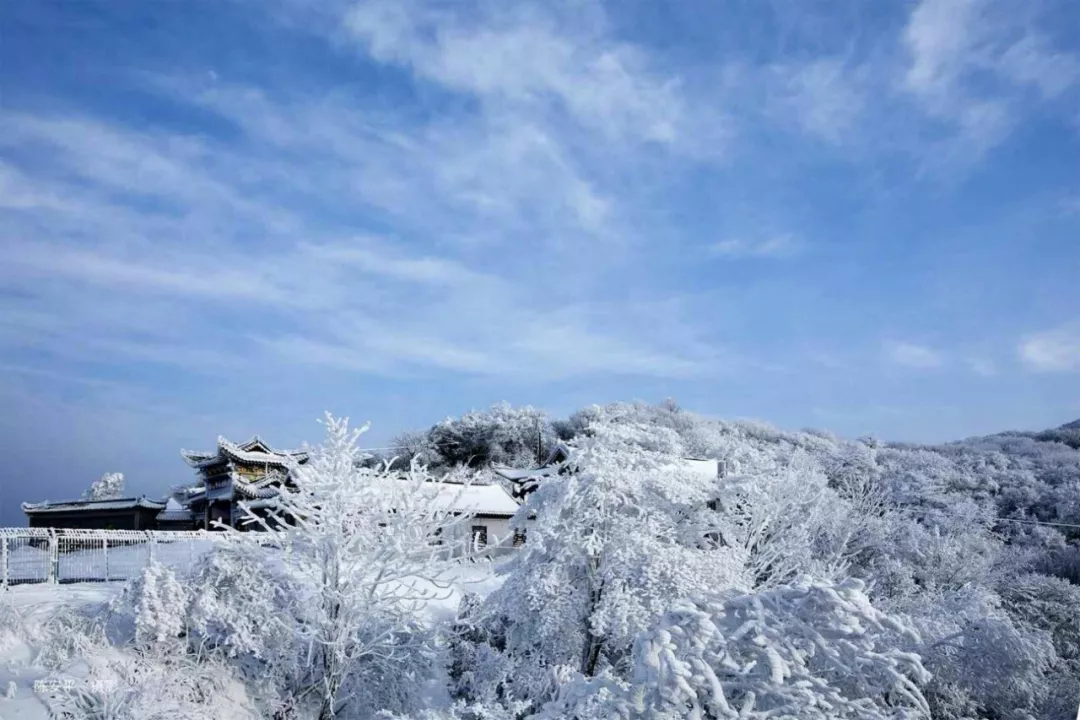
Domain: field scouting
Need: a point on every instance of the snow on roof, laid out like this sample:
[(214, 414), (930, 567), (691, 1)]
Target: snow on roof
[(255, 491), (478, 499), (69, 505), (560, 452), (269, 456), (253, 451), (262, 503), (181, 514), (518, 474)]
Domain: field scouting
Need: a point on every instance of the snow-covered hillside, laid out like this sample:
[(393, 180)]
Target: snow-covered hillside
[(817, 578)]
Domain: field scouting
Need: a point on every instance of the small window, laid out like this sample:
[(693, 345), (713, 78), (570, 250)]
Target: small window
[(519, 538), (479, 536)]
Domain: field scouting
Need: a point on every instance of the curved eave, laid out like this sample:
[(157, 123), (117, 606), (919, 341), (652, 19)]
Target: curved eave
[(255, 492), (240, 455), (200, 460)]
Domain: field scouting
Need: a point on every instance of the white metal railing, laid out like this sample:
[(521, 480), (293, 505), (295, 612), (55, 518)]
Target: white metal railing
[(48, 555), (36, 555)]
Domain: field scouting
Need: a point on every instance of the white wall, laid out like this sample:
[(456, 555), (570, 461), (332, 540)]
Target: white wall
[(498, 531)]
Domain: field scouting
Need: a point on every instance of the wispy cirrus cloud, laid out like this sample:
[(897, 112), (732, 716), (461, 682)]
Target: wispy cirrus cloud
[(543, 167), (520, 57), (824, 97), (913, 355), (972, 64), (196, 231), (775, 247), (493, 195), (1054, 350), (983, 367)]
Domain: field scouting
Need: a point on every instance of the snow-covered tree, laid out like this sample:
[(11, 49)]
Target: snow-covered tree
[(788, 523), (982, 660), (1051, 605), (502, 434), (612, 543), (332, 592), (821, 578), (109, 487), (812, 650)]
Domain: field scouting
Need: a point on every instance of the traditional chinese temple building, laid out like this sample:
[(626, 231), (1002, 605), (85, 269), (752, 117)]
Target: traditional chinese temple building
[(113, 514), (249, 472)]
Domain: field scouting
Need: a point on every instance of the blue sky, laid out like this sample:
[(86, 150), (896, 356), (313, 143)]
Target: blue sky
[(227, 217)]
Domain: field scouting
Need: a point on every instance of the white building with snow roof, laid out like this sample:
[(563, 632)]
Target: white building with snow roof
[(490, 508)]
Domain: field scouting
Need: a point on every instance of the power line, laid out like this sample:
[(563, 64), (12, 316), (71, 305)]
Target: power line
[(1038, 522), (411, 447)]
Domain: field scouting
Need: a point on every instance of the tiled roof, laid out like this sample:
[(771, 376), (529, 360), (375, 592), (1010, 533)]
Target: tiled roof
[(255, 491), (89, 505), (254, 451), (174, 511)]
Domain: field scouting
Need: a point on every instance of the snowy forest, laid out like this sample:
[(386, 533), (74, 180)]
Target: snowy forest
[(819, 577)]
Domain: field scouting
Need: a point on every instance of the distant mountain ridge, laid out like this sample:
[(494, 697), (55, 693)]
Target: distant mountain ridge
[(1067, 434)]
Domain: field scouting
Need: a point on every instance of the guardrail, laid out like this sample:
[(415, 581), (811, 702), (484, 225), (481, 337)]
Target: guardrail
[(53, 555), (46, 555)]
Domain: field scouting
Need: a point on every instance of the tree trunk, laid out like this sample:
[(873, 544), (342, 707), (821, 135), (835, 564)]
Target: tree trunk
[(593, 642)]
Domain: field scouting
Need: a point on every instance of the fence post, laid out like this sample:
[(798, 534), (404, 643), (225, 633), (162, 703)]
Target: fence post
[(105, 547), (4, 560), (54, 557), (149, 547)]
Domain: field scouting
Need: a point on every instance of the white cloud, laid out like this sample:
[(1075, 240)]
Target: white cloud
[(1030, 61), (982, 367), (1056, 350), (495, 175), (1070, 205), (940, 36), (25, 262), (825, 97), (912, 355), (230, 241), (521, 57), (971, 63), (778, 246)]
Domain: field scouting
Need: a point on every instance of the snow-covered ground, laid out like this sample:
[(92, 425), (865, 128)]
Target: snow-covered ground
[(25, 685)]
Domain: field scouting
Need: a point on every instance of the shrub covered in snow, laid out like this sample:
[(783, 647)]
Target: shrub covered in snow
[(109, 487), (811, 650)]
